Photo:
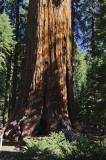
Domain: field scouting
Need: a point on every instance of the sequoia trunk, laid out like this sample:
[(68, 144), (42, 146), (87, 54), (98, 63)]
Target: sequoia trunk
[(46, 101)]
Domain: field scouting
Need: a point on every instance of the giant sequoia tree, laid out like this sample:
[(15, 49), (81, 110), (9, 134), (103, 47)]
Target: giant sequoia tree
[(46, 101)]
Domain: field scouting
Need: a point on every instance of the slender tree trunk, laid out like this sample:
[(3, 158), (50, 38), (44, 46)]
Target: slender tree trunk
[(93, 30), (14, 87), (46, 96), (7, 94), (12, 16)]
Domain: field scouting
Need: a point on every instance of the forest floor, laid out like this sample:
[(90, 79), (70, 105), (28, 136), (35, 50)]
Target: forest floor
[(9, 151)]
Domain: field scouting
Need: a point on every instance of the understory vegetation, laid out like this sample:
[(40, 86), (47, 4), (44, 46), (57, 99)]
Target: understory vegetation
[(58, 147)]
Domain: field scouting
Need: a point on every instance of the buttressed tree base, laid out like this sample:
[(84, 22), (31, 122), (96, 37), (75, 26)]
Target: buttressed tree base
[(46, 101)]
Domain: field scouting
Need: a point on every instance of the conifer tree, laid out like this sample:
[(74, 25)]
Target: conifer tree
[(6, 42)]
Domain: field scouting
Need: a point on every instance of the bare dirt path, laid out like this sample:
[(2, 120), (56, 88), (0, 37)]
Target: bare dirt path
[(9, 152)]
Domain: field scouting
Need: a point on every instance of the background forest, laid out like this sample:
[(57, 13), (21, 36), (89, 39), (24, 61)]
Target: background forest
[(89, 58)]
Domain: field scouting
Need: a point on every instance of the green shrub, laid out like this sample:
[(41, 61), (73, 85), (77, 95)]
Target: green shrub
[(89, 151), (56, 147)]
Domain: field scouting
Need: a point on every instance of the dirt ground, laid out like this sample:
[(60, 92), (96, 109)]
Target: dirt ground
[(9, 152)]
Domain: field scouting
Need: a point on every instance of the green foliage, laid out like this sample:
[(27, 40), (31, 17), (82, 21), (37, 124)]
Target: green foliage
[(89, 151), (56, 147), (96, 90), (6, 49), (101, 26), (6, 38), (80, 72), (6, 34), (92, 99), (93, 26)]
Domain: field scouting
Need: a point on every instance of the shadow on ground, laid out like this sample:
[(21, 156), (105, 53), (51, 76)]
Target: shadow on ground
[(9, 155), (9, 151), (13, 143)]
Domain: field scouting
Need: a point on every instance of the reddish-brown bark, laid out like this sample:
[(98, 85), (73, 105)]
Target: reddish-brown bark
[(46, 101)]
